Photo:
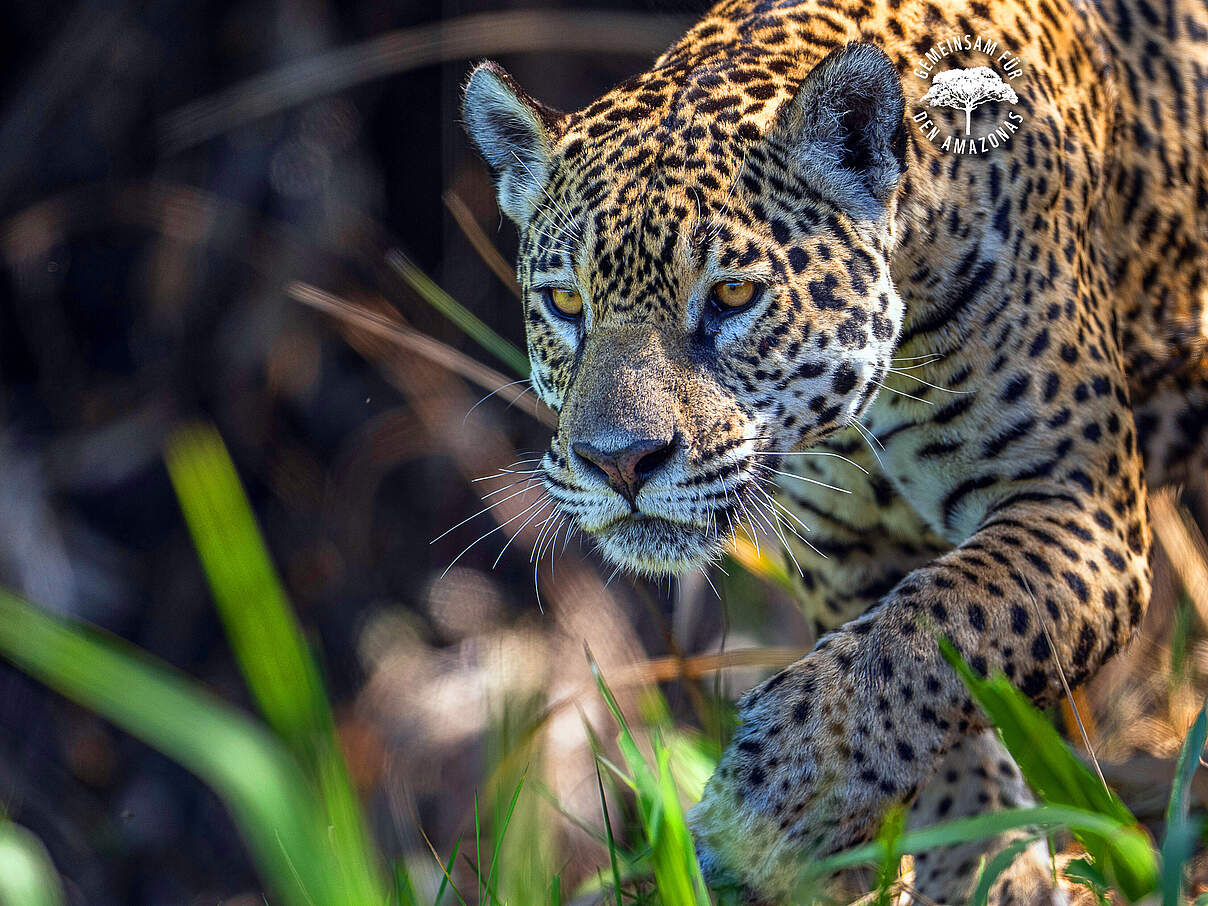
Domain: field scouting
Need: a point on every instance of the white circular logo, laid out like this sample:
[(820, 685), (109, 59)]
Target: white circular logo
[(946, 117)]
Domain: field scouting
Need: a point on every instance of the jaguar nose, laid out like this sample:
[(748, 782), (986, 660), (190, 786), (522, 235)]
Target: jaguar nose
[(630, 467)]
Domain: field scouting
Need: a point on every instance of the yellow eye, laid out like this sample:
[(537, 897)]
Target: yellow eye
[(567, 302), (734, 294)]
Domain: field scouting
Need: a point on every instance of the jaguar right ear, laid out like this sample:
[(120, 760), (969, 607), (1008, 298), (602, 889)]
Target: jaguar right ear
[(846, 128), (515, 135)]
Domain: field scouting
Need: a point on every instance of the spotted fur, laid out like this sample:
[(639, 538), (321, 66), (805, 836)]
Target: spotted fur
[(1010, 347)]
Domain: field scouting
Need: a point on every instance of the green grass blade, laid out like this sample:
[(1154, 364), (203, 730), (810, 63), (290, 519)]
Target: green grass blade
[(503, 830), (1127, 858), (617, 773), (612, 843), (643, 779), (1178, 847), (551, 799), (276, 811), (487, 895), (889, 836), (470, 324), (1189, 760), (680, 851), (267, 640), (1181, 833), (478, 852), (1085, 873), (404, 889), (27, 876), (983, 827), (264, 635), (356, 856), (447, 880), (673, 856)]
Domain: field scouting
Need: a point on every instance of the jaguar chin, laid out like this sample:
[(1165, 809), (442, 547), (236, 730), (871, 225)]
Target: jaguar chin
[(654, 546)]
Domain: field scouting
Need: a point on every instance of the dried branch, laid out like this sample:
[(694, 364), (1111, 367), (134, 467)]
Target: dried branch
[(420, 343), (467, 37)]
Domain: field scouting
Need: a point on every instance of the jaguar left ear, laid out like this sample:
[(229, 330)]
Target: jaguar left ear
[(846, 128), (515, 134)]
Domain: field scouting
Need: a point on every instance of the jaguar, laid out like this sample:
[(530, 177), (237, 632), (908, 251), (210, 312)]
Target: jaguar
[(759, 292)]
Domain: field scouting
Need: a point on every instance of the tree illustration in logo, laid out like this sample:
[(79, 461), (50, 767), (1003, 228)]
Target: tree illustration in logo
[(966, 89)]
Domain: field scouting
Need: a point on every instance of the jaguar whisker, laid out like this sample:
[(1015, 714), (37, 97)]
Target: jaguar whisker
[(725, 205), (913, 367), (516, 533), (911, 358), (850, 462), (486, 509), (506, 487), (763, 483), (783, 540), (569, 223), (929, 384), (866, 434), (750, 521), (487, 534), (917, 399), (541, 529), (492, 393), (780, 534), (791, 515), (803, 478)]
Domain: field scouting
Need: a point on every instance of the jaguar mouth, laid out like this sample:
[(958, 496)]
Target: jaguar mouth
[(655, 546)]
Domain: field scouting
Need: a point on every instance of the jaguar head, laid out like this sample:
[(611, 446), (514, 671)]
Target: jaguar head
[(704, 263)]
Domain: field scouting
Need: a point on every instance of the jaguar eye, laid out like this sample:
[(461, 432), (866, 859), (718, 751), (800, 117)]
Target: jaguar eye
[(732, 295), (566, 302)]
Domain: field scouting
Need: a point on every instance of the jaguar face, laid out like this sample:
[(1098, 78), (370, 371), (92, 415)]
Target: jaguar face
[(702, 292)]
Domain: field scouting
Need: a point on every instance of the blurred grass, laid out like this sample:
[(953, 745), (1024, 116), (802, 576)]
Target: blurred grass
[(474, 36), (267, 640), (260, 627), (462, 317), (275, 808), (1182, 830), (27, 876)]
